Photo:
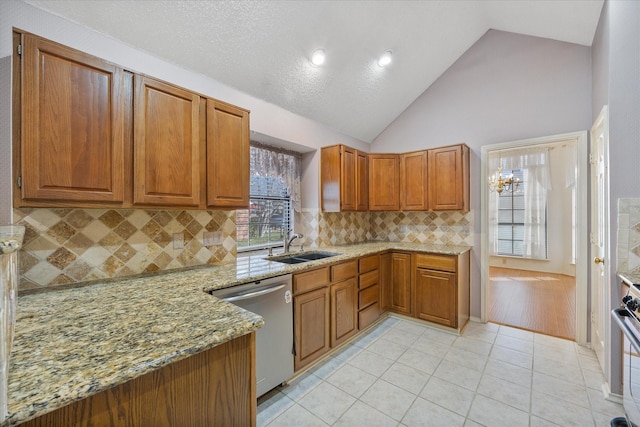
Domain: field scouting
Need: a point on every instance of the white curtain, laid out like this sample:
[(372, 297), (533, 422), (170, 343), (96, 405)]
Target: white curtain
[(534, 162)]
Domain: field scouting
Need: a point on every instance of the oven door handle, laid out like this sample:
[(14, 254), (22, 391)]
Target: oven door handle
[(250, 295), (620, 315)]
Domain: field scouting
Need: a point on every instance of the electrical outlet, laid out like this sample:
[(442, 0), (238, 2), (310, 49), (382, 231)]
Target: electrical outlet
[(178, 240), (212, 238)]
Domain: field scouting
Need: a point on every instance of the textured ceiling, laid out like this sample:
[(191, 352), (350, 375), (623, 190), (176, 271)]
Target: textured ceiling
[(262, 47)]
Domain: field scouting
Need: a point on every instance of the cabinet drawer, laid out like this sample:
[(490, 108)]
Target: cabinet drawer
[(303, 282), (436, 262), (344, 271), (368, 315), (369, 279), (369, 263), (368, 296)]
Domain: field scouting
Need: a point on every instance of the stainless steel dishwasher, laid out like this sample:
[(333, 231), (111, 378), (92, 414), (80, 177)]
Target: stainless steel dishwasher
[(271, 299)]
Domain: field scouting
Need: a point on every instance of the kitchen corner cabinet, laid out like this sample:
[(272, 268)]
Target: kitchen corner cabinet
[(448, 177), (441, 284), (400, 285), (227, 156), (167, 144), (384, 185), (72, 129), (413, 181), (343, 179)]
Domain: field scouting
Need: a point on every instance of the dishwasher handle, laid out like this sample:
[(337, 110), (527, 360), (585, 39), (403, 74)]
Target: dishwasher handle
[(240, 297)]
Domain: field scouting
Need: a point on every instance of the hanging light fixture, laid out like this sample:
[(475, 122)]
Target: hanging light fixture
[(500, 183)]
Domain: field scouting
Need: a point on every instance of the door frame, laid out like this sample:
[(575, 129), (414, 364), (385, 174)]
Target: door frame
[(603, 118), (582, 225)]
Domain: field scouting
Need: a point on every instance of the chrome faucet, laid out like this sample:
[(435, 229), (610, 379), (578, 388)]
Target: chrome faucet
[(290, 237)]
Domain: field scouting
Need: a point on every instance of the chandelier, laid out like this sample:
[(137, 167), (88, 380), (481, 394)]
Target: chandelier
[(500, 183)]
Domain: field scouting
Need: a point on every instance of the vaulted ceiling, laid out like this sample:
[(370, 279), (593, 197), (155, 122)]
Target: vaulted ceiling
[(263, 47)]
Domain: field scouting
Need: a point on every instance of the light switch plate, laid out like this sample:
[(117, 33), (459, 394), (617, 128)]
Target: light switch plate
[(178, 240), (212, 238)]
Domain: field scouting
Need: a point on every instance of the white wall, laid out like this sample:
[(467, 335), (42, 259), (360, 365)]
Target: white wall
[(266, 118), (506, 87), (559, 219)]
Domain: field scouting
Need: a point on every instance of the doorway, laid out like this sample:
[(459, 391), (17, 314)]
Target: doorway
[(523, 274)]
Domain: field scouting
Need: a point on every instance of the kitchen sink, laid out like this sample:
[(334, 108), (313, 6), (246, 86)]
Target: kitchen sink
[(297, 258)]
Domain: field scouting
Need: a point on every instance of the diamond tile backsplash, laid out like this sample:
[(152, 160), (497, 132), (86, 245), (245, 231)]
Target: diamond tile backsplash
[(325, 229), (628, 250), (72, 245)]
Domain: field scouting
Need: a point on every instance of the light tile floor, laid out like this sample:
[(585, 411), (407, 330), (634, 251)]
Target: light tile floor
[(403, 373)]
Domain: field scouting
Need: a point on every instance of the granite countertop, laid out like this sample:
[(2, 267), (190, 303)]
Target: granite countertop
[(73, 343)]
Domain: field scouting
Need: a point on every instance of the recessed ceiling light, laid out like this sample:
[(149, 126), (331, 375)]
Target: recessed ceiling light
[(385, 59), (318, 57)]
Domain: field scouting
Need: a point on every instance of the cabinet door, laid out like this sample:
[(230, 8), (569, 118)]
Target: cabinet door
[(413, 181), (344, 310), (384, 177), (362, 181), (311, 326), (72, 125), (227, 156), (347, 178), (401, 283), (449, 178), (167, 148), (436, 296)]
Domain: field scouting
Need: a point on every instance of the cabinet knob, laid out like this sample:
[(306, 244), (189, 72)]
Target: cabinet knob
[(598, 260)]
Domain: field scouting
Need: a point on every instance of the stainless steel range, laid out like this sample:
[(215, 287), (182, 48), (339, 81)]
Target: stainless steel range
[(627, 317)]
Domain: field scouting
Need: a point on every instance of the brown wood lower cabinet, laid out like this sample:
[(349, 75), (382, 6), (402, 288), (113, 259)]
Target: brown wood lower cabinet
[(311, 326), (400, 285), (441, 288), (344, 310), (212, 388), (331, 304), (436, 296)]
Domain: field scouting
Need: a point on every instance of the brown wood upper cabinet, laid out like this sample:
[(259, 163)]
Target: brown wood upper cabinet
[(343, 179), (384, 185), (449, 178), (89, 134), (227, 155), (413, 181), (167, 145), (72, 129)]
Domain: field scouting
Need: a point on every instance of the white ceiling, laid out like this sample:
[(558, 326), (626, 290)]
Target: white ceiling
[(262, 47)]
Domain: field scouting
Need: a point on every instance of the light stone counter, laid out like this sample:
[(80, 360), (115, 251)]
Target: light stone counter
[(73, 343)]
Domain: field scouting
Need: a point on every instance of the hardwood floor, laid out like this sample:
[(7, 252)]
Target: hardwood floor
[(539, 302)]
